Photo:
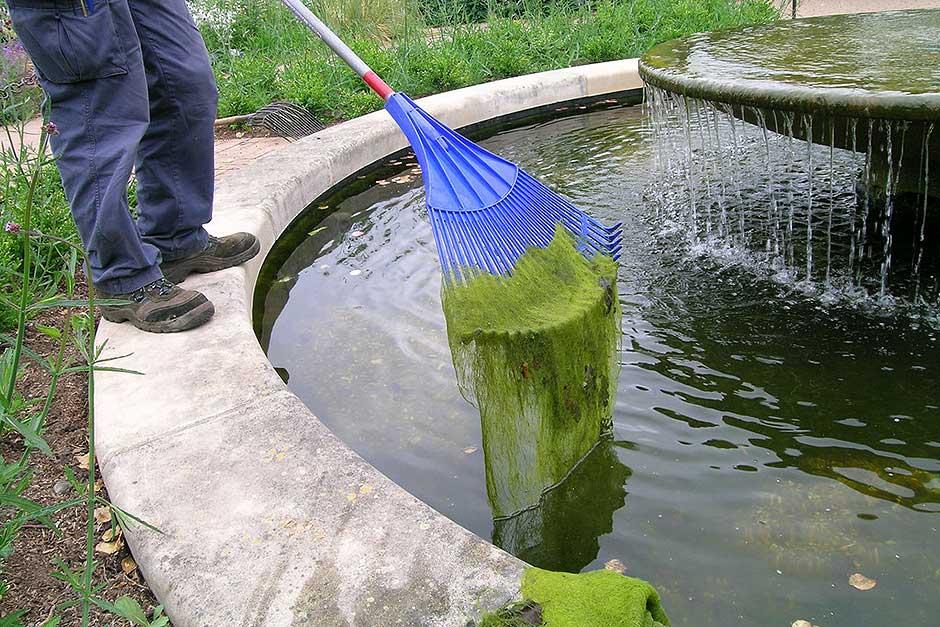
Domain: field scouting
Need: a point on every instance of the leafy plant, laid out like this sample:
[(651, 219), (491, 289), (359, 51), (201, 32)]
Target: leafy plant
[(31, 290)]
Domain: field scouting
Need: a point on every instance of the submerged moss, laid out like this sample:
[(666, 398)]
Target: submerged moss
[(600, 598), (536, 353)]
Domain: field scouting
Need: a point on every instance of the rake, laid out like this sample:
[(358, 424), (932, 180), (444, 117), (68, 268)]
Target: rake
[(485, 211)]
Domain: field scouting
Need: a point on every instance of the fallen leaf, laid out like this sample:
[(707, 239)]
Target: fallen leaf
[(803, 623), (111, 534), (109, 548), (350, 497), (102, 514), (128, 565), (861, 582), (365, 488), (82, 461), (470, 450), (616, 565)]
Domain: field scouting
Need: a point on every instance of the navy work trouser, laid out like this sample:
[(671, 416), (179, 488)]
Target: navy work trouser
[(131, 89)]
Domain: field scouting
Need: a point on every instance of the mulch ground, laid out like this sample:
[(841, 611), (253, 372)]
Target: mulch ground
[(28, 571)]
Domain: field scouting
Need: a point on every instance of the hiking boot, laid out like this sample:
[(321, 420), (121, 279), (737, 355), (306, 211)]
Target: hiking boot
[(219, 253), (160, 307)]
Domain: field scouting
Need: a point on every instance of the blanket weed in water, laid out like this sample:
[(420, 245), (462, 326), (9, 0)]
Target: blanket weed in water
[(601, 598), (536, 353)]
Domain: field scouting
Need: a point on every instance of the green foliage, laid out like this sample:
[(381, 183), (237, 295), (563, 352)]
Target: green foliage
[(261, 54), (536, 352), (53, 262), (40, 274), (130, 610)]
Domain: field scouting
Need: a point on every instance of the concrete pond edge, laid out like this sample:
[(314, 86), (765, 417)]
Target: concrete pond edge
[(266, 517)]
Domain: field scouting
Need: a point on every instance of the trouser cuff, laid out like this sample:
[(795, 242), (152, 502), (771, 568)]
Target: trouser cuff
[(128, 284)]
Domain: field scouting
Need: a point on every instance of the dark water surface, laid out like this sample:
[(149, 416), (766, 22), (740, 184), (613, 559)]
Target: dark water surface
[(766, 446)]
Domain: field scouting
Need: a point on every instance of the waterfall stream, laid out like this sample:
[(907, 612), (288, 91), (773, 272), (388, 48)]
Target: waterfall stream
[(838, 215)]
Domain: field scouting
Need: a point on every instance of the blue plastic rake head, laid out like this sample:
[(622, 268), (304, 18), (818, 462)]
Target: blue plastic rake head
[(485, 211)]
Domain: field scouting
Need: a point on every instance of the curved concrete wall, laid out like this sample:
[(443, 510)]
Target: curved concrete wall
[(268, 518)]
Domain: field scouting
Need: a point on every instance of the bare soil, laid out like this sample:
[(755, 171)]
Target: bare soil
[(28, 571)]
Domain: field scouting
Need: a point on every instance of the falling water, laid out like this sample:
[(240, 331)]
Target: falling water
[(827, 215)]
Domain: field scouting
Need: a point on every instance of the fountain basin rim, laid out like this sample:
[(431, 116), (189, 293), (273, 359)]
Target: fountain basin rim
[(659, 67), (818, 101), (267, 517)]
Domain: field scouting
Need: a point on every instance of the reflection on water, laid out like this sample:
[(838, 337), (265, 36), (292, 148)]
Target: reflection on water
[(562, 532), (767, 445)]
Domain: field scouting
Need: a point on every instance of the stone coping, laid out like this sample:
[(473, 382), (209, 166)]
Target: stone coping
[(835, 65), (267, 518)]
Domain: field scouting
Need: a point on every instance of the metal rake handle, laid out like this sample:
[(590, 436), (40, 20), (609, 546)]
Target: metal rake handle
[(337, 45)]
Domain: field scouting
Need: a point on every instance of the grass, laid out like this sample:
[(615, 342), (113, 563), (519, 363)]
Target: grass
[(52, 262), (261, 54)]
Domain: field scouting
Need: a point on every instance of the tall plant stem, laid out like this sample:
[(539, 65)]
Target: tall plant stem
[(90, 495), (27, 265)]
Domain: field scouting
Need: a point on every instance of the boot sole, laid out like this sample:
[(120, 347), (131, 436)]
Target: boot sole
[(203, 265), (193, 318)]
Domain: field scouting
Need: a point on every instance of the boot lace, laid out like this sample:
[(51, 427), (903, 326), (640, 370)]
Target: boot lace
[(161, 286)]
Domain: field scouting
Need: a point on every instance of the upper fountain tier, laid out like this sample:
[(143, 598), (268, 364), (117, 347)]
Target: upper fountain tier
[(875, 65)]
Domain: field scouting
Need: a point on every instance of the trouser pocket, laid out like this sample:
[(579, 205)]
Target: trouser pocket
[(67, 46)]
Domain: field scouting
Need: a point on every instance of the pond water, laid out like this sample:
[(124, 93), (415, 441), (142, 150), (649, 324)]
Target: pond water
[(767, 445)]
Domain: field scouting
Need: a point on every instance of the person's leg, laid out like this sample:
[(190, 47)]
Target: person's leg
[(175, 164), (175, 159), (92, 70)]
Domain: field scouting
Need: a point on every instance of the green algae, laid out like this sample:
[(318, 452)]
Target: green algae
[(535, 352), (601, 598)]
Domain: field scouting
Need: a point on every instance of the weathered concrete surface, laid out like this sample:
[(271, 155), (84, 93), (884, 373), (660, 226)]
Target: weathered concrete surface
[(267, 518)]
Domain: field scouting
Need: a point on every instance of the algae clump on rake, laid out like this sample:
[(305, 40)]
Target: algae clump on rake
[(535, 351)]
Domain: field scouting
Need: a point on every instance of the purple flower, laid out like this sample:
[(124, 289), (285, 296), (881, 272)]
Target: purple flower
[(14, 52), (52, 129), (11, 227)]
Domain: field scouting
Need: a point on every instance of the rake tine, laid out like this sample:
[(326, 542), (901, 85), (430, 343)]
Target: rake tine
[(473, 245), (565, 207), (436, 232), (457, 238), (447, 253), (535, 236), (489, 242), (514, 244), (573, 219), (502, 245)]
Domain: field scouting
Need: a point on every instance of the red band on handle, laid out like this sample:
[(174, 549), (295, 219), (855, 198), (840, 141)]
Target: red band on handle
[(378, 85)]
